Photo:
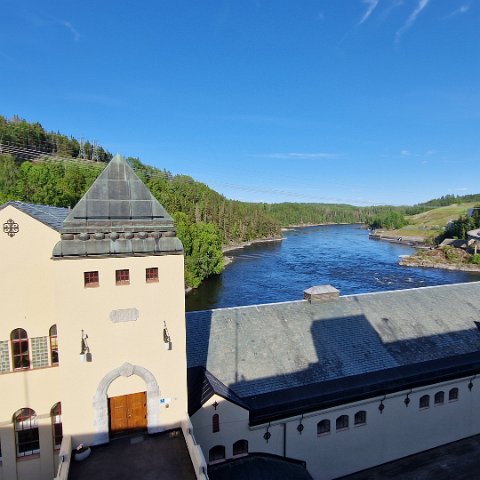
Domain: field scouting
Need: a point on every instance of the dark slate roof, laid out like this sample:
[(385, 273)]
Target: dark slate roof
[(53, 217), (118, 216), (285, 357), (118, 201), (202, 385)]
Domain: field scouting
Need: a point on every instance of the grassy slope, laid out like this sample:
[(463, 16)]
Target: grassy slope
[(430, 224)]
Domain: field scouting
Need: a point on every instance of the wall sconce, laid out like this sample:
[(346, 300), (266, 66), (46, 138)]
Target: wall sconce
[(85, 349), (300, 426), (407, 399), (267, 435), (381, 407), (470, 384), (166, 337)]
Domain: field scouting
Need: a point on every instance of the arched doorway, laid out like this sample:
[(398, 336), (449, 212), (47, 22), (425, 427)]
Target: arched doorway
[(100, 400)]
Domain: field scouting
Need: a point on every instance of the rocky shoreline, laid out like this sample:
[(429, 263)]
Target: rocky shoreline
[(410, 241), (417, 262), (237, 246)]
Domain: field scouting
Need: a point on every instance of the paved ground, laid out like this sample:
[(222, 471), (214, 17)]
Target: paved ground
[(258, 467), (146, 457), (455, 461)]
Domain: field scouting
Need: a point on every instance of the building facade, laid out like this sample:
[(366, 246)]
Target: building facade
[(92, 336), (344, 384)]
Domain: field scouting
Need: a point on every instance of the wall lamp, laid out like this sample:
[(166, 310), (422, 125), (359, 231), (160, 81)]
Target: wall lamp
[(167, 340), (470, 384), (267, 435), (407, 399), (300, 426), (381, 407), (85, 349)]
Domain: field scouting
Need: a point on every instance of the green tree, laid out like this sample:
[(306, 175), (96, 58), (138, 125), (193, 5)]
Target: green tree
[(8, 178)]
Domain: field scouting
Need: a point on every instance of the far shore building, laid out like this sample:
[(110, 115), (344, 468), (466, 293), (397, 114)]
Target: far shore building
[(94, 341)]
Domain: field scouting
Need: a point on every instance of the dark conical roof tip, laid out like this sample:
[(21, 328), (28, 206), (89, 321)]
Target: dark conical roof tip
[(118, 201)]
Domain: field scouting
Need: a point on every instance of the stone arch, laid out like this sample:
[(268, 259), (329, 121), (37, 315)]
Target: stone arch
[(100, 401)]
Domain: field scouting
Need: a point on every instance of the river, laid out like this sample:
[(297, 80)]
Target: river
[(339, 255)]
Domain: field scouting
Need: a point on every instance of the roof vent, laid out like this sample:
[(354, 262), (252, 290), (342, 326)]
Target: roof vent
[(320, 293)]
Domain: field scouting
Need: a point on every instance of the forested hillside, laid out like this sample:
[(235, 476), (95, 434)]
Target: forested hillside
[(44, 167), (51, 168), (315, 213)]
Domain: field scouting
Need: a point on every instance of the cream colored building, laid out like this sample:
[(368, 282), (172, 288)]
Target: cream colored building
[(92, 334), (343, 383)]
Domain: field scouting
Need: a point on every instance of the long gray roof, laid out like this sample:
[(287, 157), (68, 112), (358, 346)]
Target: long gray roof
[(266, 351), (53, 217)]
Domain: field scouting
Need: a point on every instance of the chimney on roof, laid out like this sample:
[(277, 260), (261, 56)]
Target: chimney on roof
[(320, 293)]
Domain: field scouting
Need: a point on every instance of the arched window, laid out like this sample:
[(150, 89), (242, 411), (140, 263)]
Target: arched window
[(360, 418), (20, 356), (26, 432), (424, 401), (323, 427), (342, 422), (53, 344), (57, 430), (215, 423), (216, 453), (240, 447), (439, 398), (453, 394)]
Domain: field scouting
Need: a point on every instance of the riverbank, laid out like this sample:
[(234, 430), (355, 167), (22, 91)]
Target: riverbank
[(306, 225), (238, 246), (444, 258), (227, 260), (409, 240)]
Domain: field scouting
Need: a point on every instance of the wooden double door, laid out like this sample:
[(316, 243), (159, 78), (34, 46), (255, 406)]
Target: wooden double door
[(128, 412)]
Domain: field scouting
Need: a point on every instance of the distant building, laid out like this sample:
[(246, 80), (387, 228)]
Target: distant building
[(94, 342), (472, 211)]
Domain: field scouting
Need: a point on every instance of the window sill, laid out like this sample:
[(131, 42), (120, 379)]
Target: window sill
[(342, 429), (360, 425), (92, 285), (23, 370), (324, 434), (25, 458)]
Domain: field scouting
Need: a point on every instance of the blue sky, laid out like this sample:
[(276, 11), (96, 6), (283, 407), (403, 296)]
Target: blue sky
[(352, 101)]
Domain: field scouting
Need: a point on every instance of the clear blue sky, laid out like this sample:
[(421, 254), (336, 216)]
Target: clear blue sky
[(355, 101)]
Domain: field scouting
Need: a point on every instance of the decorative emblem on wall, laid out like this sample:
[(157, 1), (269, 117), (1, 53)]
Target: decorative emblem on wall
[(10, 227)]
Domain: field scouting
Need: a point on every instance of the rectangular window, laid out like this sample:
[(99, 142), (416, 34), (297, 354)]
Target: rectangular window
[(122, 277), (26, 433), (90, 279), (151, 275), (28, 442)]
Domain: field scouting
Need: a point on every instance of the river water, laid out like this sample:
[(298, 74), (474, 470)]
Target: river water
[(339, 255)]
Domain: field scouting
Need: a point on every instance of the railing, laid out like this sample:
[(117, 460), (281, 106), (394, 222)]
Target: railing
[(196, 454), (64, 458)]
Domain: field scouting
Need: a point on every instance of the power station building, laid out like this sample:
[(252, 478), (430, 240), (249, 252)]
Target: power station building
[(94, 341)]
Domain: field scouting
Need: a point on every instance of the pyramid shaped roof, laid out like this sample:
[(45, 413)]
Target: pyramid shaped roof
[(117, 201), (118, 216)]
